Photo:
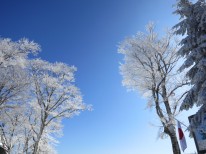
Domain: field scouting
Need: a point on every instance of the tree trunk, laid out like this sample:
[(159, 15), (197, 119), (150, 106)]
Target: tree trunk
[(173, 138), (170, 130), (175, 145), (36, 145)]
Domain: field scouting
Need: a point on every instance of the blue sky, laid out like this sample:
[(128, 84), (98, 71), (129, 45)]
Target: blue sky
[(86, 33)]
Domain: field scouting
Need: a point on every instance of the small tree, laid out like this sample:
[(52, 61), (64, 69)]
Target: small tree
[(149, 67)]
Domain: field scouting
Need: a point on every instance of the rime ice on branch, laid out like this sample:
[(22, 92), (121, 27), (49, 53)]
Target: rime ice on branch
[(150, 67), (35, 95)]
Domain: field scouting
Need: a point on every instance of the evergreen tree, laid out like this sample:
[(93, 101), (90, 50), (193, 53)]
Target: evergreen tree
[(193, 49)]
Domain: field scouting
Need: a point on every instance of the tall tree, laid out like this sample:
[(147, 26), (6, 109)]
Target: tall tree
[(193, 27), (149, 67), (55, 97), (35, 95)]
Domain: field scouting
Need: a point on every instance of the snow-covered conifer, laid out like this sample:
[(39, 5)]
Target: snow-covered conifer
[(193, 49)]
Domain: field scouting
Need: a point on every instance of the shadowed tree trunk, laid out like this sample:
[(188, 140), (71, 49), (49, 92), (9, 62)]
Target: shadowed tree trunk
[(174, 142), (2, 151)]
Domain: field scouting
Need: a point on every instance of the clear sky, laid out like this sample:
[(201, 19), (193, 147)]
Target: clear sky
[(86, 33)]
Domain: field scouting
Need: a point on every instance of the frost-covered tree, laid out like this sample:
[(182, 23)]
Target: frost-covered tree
[(17, 130), (12, 129), (55, 97), (14, 84), (150, 68), (35, 95), (13, 59), (193, 27)]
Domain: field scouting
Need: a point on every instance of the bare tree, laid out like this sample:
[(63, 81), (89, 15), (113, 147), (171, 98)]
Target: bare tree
[(149, 67)]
